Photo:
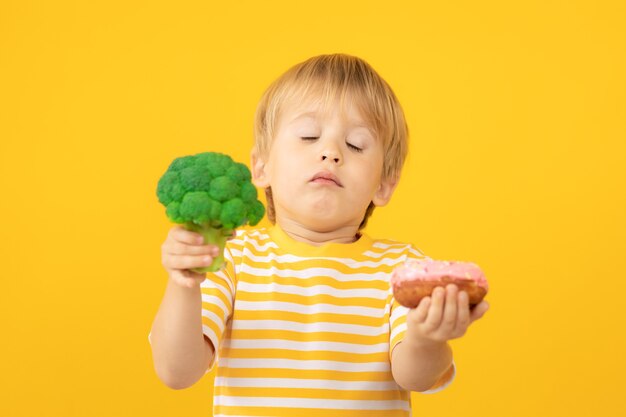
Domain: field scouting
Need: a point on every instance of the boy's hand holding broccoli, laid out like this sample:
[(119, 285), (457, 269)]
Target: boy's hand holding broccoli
[(210, 195), (185, 252)]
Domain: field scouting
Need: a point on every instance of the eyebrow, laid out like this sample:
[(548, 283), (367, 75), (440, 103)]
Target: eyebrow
[(312, 114), (309, 114)]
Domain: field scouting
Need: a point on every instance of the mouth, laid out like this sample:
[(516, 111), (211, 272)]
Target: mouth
[(326, 177)]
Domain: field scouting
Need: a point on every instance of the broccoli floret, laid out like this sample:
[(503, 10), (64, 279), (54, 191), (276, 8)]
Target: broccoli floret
[(210, 194)]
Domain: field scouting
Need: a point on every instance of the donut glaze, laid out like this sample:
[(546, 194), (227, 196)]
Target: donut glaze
[(416, 279)]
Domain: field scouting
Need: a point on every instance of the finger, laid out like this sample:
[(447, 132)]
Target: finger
[(188, 278), (421, 312), (479, 310), (463, 317), (183, 235), (179, 248), (196, 277), (435, 312), (187, 262), (448, 321)]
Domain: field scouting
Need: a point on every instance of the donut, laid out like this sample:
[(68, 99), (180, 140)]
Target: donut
[(416, 279)]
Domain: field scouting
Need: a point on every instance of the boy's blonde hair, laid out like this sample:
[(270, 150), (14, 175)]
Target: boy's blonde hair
[(330, 77)]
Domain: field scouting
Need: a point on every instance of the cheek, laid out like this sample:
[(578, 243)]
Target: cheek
[(290, 169), (286, 172), (364, 188), (371, 173)]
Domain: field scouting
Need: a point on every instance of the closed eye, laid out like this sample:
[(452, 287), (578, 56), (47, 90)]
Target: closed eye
[(354, 148), (351, 146)]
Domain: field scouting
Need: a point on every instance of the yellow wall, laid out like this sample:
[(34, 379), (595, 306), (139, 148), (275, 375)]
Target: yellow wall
[(517, 163)]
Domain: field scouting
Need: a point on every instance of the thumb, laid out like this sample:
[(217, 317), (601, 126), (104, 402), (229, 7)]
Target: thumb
[(189, 278), (478, 311), (421, 312)]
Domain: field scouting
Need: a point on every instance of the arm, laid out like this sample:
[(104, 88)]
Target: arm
[(417, 367), (181, 353), (424, 357)]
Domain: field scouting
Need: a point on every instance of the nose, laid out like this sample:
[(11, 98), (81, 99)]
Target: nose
[(331, 153), (331, 157), (330, 149)]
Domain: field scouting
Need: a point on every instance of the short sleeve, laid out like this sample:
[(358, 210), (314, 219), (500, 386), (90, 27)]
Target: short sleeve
[(218, 295), (397, 315), (445, 380), (397, 325)]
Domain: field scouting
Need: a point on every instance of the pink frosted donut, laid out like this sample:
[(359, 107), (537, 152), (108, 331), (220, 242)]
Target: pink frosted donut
[(416, 279)]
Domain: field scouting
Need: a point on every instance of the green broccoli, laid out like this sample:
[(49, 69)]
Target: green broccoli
[(210, 194)]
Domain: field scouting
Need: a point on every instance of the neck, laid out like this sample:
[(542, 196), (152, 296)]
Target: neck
[(306, 234)]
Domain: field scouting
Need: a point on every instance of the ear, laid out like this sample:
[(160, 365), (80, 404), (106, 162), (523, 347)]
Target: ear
[(259, 178), (385, 191)]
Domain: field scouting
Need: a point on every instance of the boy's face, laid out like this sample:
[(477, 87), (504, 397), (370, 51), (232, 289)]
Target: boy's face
[(323, 170)]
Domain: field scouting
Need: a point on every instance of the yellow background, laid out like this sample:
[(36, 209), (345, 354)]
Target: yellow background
[(517, 162)]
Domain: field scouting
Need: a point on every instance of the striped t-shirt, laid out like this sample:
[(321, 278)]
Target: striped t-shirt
[(303, 330)]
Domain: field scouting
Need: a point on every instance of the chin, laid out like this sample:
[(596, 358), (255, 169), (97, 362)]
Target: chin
[(320, 213), (321, 218)]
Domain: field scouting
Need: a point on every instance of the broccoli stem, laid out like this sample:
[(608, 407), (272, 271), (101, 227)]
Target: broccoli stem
[(213, 236)]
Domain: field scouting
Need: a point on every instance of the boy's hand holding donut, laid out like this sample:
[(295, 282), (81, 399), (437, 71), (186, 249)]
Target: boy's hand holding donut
[(443, 316), (184, 250), (445, 297)]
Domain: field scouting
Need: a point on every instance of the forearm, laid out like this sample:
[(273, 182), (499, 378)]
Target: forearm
[(180, 353), (416, 367)]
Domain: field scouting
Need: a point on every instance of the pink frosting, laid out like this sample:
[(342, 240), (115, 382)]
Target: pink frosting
[(428, 270)]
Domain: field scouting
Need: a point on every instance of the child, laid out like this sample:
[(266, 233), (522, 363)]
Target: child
[(302, 321)]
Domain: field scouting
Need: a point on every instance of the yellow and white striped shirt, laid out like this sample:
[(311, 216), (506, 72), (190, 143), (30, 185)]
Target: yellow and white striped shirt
[(302, 330)]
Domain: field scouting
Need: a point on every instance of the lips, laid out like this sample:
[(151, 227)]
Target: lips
[(326, 176)]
